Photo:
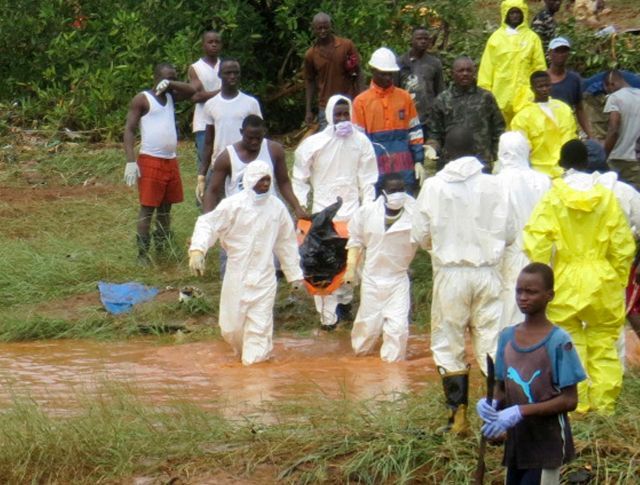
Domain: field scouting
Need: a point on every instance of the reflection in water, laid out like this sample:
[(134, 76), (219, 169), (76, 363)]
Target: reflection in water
[(56, 373)]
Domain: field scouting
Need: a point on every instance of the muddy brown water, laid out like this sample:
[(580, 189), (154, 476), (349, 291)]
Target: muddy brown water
[(59, 374)]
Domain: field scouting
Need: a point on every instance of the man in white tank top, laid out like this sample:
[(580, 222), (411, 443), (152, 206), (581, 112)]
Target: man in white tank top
[(156, 168), (230, 165), (223, 115), (203, 76)]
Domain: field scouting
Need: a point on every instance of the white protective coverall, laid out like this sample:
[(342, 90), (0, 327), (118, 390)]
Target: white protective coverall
[(525, 186), (385, 295), (333, 166), (462, 218), (250, 231)]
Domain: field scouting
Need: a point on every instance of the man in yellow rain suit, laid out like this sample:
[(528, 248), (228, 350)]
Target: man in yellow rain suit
[(547, 123), (512, 53), (582, 222)]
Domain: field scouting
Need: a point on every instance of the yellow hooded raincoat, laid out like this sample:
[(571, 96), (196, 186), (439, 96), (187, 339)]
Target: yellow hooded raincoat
[(545, 134), (594, 248), (509, 59)]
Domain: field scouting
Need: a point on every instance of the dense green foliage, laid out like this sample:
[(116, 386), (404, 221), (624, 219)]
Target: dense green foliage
[(75, 65)]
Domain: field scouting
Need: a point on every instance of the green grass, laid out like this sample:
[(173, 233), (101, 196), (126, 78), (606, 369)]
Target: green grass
[(311, 440), (61, 236)]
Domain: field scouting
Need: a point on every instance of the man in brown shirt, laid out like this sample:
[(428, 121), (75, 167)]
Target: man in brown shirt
[(331, 66)]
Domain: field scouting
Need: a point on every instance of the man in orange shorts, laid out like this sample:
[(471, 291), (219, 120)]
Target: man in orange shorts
[(156, 168)]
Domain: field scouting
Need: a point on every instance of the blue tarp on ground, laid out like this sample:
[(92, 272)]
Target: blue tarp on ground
[(120, 298)]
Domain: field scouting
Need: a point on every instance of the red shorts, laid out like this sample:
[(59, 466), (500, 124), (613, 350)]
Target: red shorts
[(159, 181)]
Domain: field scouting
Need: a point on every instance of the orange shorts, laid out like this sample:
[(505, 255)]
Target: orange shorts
[(159, 181)]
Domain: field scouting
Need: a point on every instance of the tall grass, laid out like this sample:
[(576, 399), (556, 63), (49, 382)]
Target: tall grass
[(311, 440)]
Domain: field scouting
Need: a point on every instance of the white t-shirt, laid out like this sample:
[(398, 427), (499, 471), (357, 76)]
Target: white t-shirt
[(226, 115), (626, 101), (210, 80)]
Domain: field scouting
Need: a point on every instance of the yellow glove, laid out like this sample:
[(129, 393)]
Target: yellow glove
[(196, 262), (421, 173), (350, 275), (200, 186)]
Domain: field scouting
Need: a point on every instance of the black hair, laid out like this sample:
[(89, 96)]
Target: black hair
[(228, 59), (321, 15), (463, 58), (574, 154), (458, 142), (210, 32), (544, 270), (253, 121), (392, 177), (538, 75), (160, 66), (416, 28), (613, 74), (342, 101)]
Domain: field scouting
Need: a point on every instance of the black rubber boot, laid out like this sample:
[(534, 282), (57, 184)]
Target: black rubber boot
[(144, 244), (456, 392)]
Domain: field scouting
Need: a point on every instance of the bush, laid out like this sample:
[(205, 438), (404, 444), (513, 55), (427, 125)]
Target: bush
[(76, 65)]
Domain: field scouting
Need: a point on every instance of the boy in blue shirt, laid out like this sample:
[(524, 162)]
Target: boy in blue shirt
[(537, 371)]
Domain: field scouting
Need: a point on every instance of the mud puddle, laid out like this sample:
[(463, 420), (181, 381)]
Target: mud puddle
[(59, 375)]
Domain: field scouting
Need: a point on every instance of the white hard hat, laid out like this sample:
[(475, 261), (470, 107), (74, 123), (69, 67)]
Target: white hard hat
[(384, 59)]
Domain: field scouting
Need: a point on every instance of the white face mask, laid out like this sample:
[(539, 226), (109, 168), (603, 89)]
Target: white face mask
[(259, 198), (344, 128), (395, 201)]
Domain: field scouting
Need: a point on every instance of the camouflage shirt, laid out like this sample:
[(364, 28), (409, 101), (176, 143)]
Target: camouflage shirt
[(545, 26), (477, 110)]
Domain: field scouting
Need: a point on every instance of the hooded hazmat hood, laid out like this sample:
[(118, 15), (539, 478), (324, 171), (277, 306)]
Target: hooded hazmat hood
[(331, 104), (508, 5), (513, 151), (254, 172)]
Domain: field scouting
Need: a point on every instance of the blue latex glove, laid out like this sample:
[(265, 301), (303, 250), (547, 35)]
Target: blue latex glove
[(507, 418), (486, 411)]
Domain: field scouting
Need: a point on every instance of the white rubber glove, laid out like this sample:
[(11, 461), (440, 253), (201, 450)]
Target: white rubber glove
[(131, 173), (351, 275), (421, 173), (162, 86), (200, 186), (430, 153), (196, 262)]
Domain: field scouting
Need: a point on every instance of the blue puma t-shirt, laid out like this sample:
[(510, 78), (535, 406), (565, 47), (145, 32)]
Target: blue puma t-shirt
[(536, 374)]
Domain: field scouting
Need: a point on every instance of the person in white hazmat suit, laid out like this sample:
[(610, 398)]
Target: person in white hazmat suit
[(339, 161), (382, 230), (525, 187), (252, 225), (462, 219)]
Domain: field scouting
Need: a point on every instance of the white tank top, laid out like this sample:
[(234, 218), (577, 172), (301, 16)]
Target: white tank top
[(158, 128), (233, 184), (211, 82)]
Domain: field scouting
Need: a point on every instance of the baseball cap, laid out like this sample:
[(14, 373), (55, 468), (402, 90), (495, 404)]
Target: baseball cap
[(559, 42)]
